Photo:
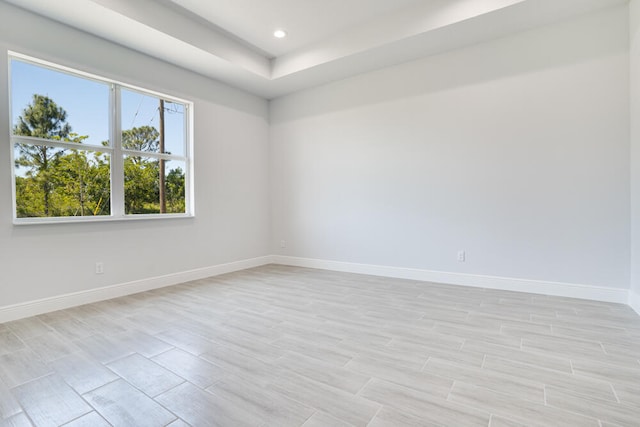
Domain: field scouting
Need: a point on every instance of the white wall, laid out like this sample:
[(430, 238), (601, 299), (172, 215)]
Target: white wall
[(231, 178), (515, 151), (634, 31)]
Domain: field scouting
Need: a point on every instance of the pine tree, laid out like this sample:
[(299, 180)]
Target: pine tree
[(43, 118)]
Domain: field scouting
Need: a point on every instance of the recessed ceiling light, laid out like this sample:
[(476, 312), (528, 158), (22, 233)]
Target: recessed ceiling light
[(280, 34)]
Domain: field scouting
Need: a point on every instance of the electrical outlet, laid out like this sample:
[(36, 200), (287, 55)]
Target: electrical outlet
[(462, 256), (283, 244), (99, 267)]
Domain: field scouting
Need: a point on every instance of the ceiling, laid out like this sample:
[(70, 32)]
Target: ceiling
[(306, 21), (232, 41)]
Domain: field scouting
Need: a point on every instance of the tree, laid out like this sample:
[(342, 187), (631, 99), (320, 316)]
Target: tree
[(82, 184), (140, 186), (43, 118), (145, 184), (176, 191), (28, 197), (143, 138), (58, 182), (140, 174)]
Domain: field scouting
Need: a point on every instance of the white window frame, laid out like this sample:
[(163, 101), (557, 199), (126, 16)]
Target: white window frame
[(116, 152)]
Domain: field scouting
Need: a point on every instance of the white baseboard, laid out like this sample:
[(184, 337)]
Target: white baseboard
[(634, 301), (570, 290), (46, 305)]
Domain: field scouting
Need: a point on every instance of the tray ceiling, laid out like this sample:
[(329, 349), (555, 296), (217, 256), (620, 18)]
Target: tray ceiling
[(232, 41)]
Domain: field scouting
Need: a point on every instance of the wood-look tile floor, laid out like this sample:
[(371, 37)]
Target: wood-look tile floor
[(282, 346)]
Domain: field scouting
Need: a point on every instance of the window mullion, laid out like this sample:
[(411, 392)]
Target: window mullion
[(153, 155), (117, 165), (29, 140)]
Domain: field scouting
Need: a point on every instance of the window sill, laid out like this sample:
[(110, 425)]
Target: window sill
[(92, 219)]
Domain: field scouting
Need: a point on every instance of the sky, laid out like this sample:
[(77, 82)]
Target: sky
[(87, 104)]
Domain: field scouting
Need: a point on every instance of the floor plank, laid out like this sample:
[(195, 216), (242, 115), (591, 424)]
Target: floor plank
[(123, 405), (49, 401)]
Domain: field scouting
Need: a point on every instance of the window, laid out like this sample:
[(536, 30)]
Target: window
[(87, 148)]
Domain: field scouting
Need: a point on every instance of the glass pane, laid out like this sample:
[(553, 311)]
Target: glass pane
[(142, 121), (55, 182), (174, 115), (142, 183), (175, 186), (55, 105)]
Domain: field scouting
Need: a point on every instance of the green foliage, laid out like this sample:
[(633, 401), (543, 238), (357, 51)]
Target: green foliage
[(40, 192), (143, 138), (176, 196), (82, 184), (55, 182), (141, 175), (78, 184), (141, 186), (175, 191), (43, 119), (29, 201)]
